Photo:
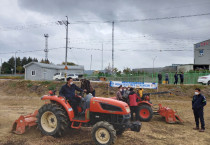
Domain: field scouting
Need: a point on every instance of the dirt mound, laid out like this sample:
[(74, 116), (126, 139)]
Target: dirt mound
[(39, 88)]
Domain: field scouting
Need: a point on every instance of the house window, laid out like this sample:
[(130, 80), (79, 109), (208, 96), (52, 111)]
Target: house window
[(33, 73)]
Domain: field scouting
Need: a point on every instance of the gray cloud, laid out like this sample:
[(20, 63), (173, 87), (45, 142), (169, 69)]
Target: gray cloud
[(141, 36)]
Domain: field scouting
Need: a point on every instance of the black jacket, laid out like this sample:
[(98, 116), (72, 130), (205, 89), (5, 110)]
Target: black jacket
[(69, 92), (198, 102)]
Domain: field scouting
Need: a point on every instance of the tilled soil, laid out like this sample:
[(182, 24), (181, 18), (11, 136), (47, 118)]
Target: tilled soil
[(155, 132)]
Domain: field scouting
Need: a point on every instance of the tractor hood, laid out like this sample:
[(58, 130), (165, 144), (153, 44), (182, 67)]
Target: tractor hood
[(107, 105)]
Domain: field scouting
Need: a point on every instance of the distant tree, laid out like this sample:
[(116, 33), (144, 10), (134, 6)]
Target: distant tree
[(11, 62), (35, 60), (45, 61), (24, 61), (127, 71), (118, 73), (115, 70), (29, 60), (20, 69), (6, 68), (69, 63)]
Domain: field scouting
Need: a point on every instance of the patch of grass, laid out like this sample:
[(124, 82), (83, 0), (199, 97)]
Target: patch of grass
[(46, 82), (29, 85), (52, 87), (13, 85)]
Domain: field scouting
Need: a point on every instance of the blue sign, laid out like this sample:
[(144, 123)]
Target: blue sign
[(134, 84)]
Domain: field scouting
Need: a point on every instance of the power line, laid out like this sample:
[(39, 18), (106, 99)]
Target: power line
[(139, 20), (31, 50)]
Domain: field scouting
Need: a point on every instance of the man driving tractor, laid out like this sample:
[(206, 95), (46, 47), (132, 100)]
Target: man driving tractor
[(68, 91)]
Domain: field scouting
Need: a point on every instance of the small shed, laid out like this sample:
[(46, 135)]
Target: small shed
[(42, 71)]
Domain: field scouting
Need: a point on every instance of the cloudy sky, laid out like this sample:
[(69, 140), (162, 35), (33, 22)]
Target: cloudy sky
[(139, 35)]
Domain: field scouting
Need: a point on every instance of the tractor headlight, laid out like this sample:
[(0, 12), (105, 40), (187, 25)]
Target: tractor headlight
[(128, 110)]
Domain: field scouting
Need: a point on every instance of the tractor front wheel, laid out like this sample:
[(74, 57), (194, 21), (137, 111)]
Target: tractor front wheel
[(103, 133), (52, 120), (145, 113)]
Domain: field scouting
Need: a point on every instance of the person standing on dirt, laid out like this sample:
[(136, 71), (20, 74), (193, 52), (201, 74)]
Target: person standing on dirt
[(181, 78), (198, 103), (166, 78), (175, 78), (126, 93), (133, 103), (119, 93), (68, 91), (159, 78)]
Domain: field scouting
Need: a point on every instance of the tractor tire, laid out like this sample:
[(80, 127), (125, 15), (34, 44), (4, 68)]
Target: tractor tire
[(103, 133), (52, 120), (145, 113)]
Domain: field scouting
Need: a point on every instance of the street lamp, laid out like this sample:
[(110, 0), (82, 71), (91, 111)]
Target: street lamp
[(15, 60)]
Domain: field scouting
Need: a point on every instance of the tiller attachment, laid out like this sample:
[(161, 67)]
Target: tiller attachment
[(169, 114), (19, 126)]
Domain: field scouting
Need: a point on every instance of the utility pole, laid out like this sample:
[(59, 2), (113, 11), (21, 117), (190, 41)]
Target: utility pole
[(102, 57), (112, 47), (66, 23), (46, 46), (91, 62)]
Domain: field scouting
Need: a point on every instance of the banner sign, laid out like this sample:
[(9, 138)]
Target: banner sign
[(134, 84)]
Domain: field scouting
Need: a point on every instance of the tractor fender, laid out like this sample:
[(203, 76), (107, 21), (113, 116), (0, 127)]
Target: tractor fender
[(63, 103), (145, 103)]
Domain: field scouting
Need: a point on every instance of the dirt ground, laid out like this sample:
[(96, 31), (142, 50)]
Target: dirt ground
[(157, 131)]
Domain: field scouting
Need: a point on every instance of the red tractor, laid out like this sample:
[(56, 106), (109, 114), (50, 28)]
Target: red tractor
[(146, 110), (107, 116)]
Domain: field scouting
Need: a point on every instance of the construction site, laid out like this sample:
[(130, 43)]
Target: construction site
[(19, 97)]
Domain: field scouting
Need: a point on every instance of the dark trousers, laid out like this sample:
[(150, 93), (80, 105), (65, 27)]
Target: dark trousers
[(74, 103), (160, 81), (182, 81), (198, 114), (176, 80), (134, 109)]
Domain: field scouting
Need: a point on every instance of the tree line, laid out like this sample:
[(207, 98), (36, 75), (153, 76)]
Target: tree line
[(9, 66)]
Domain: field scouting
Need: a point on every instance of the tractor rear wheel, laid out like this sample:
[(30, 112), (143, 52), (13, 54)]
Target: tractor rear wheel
[(145, 113), (52, 120), (103, 133)]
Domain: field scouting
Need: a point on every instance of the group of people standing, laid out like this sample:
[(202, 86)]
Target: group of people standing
[(128, 95), (176, 78)]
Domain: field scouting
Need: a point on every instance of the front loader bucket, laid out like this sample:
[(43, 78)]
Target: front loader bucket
[(169, 114), (19, 126)]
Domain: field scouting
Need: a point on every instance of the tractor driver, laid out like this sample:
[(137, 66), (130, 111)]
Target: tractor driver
[(68, 91)]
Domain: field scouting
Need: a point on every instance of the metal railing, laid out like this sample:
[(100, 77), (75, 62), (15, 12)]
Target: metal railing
[(189, 78)]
